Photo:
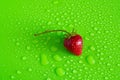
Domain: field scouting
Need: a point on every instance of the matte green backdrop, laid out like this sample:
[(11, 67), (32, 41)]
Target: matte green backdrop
[(25, 57)]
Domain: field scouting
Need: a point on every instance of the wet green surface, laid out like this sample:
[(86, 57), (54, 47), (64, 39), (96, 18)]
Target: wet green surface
[(25, 57)]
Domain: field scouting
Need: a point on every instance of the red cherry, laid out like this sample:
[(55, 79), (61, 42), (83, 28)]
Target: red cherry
[(72, 43)]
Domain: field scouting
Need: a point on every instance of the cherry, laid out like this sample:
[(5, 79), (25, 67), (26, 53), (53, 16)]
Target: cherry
[(73, 42)]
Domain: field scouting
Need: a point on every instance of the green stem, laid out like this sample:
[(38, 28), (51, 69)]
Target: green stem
[(48, 31)]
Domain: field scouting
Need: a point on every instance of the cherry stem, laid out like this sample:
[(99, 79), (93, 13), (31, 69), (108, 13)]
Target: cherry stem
[(48, 31)]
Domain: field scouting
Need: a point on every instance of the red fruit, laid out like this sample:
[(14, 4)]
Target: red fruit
[(74, 44)]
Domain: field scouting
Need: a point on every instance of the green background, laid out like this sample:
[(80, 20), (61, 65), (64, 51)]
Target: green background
[(25, 57)]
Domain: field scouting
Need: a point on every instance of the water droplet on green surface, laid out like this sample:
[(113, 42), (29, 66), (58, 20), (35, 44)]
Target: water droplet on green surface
[(12, 77), (101, 59), (17, 43), (18, 72), (68, 62), (91, 34), (111, 69), (53, 48), (80, 61), (57, 19), (57, 58), (44, 59), (28, 47), (90, 59), (86, 38), (29, 69), (48, 79), (49, 22), (74, 71), (95, 28), (59, 23), (24, 58), (118, 64), (108, 64), (71, 26), (60, 72), (55, 2), (92, 48), (106, 78)]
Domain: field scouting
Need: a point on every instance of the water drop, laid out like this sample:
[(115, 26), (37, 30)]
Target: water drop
[(108, 64), (91, 34), (80, 61), (57, 19), (12, 77), (118, 64), (29, 69), (18, 72), (44, 59), (86, 38), (71, 26), (92, 48), (60, 72), (59, 23), (24, 58), (106, 78), (17, 43), (90, 59), (57, 58), (49, 22), (68, 62), (48, 79), (95, 28), (74, 71), (28, 47), (55, 2), (53, 48), (101, 59)]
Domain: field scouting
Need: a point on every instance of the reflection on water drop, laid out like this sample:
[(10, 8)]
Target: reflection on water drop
[(80, 61), (48, 79), (86, 38), (29, 69), (18, 72), (92, 48), (44, 59), (28, 47), (12, 77), (57, 58), (55, 2), (118, 64), (71, 26), (49, 22), (17, 43), (108, 64), (24, 58), (106, 78), (95, 28), (91, 34), (74, 71), (60, 72), (101, 59), (90, 59)]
